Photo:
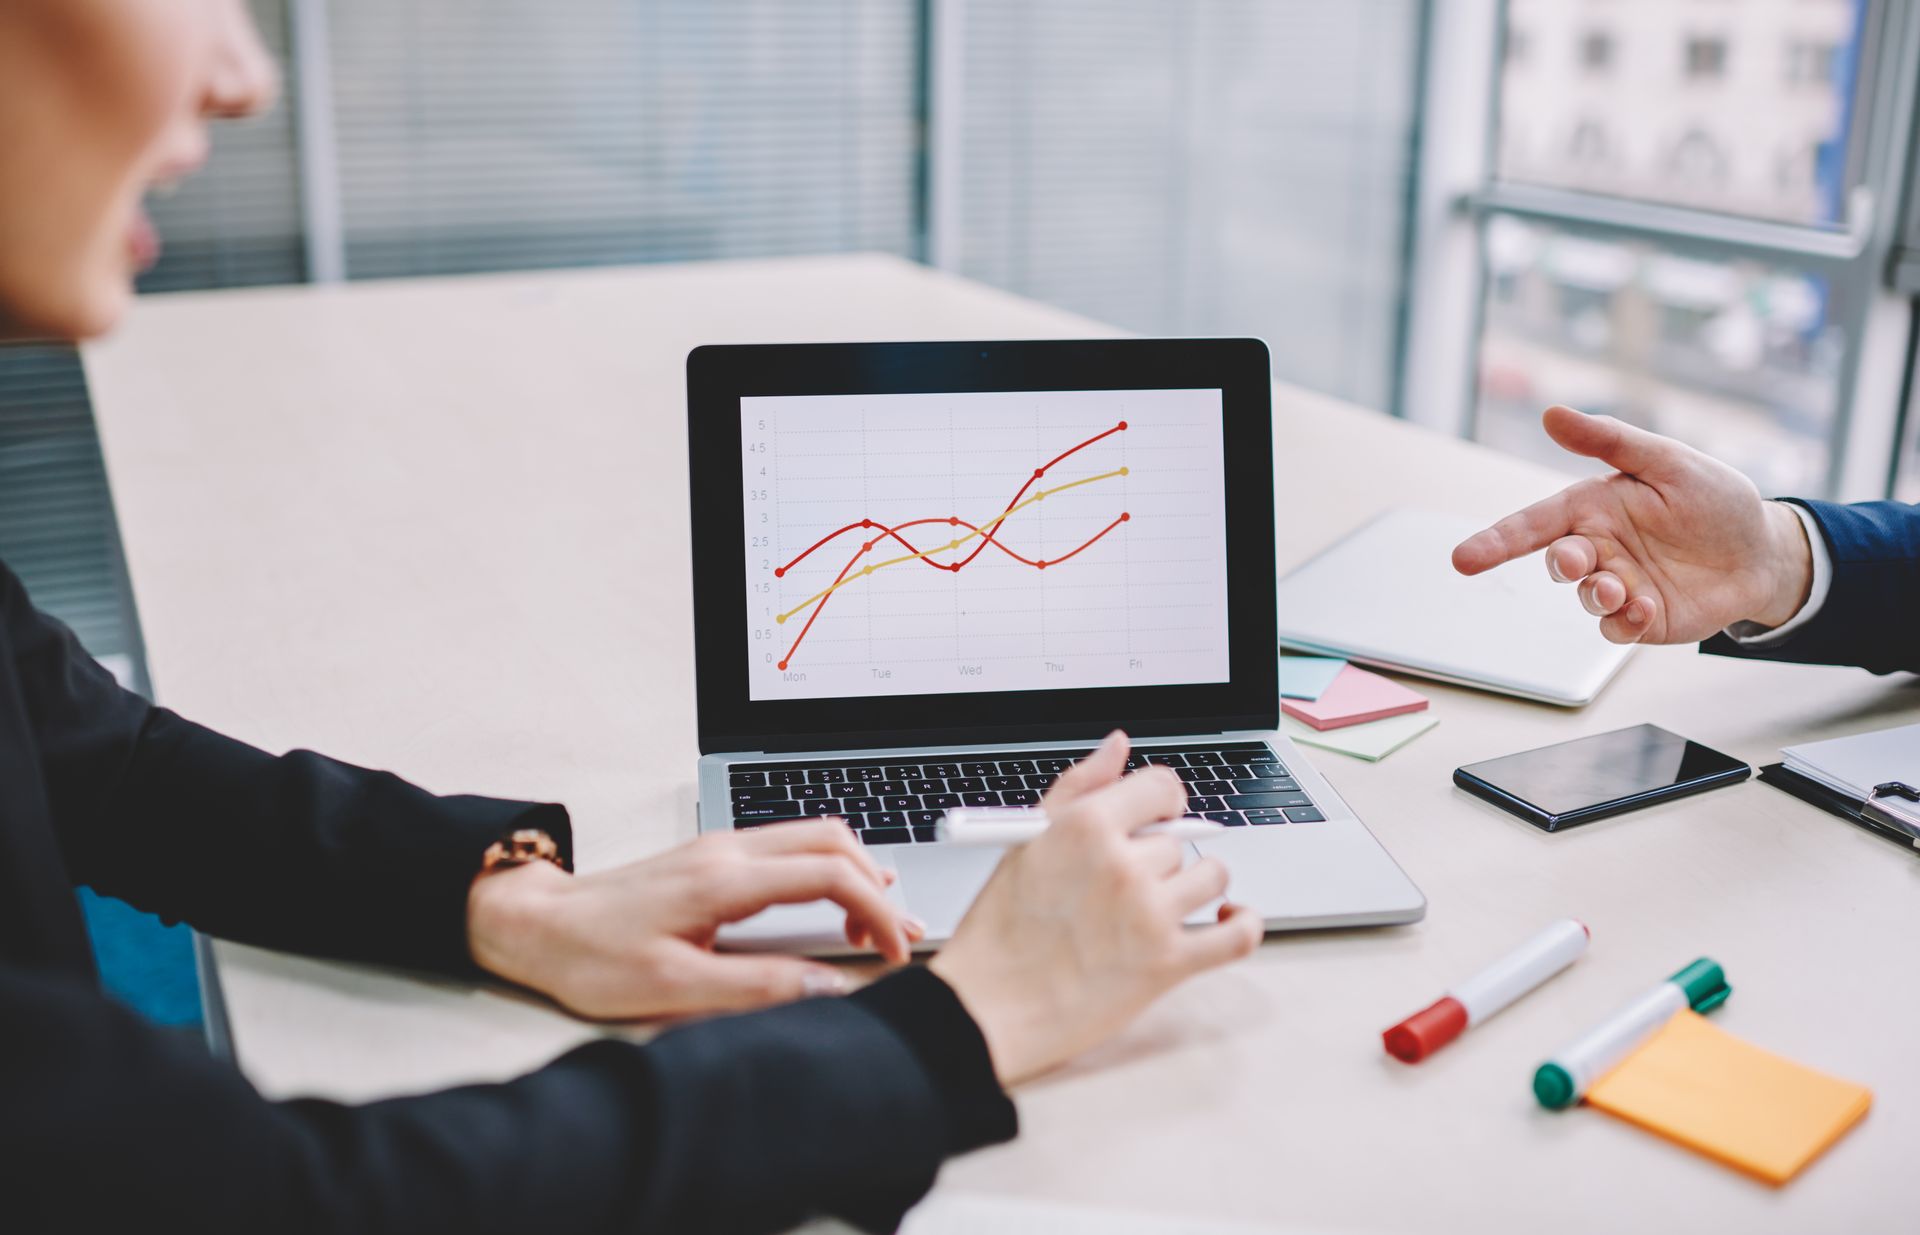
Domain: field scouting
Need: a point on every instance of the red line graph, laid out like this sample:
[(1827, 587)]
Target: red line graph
[(987, 534)]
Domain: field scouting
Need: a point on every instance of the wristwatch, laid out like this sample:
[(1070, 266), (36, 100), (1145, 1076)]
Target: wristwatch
[(524, 846)]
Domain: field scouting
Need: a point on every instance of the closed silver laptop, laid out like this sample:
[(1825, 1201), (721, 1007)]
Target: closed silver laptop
[(930, 575)]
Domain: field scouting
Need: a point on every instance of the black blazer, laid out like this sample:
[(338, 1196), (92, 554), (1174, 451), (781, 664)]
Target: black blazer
[(750, 1123), (1871, 617)]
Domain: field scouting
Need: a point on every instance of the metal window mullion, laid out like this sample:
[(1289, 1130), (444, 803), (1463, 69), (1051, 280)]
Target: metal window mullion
[(317, 144), (945, 88)]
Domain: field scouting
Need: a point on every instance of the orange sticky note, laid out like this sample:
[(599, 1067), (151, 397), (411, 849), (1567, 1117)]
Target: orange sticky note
[(1698, 1085)]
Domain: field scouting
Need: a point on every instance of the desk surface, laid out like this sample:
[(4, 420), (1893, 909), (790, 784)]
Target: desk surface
[(400, 523)]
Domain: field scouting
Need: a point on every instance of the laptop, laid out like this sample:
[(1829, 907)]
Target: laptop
[(930, 575)]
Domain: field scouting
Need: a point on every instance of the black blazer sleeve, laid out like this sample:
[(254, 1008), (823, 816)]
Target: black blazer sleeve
[(1871, 617), (841, 1107), (295, 851)]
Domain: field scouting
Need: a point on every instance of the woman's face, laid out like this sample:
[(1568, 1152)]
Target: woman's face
[(101, 100)]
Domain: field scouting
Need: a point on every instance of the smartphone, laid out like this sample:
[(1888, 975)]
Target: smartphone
[(1577, 782)]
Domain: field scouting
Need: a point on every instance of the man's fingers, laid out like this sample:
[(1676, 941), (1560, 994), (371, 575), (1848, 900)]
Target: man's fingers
[(1602, 592), (1614, 442), (1193, 887), (1101, 767), (1571, 559), (796, 879), (736, 982), (826, 835), (1237, 934), (1515, 536), (1632, 622)]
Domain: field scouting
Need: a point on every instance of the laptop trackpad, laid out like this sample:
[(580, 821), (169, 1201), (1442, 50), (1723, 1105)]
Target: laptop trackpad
[(938, 882)]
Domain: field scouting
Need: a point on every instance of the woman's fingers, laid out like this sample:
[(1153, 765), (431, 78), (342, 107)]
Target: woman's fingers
[(814, 836), (736, 982), (794, 879), (1204, 881), (1101, 767), (1151, 795), (1236, 934), (1159, 856)]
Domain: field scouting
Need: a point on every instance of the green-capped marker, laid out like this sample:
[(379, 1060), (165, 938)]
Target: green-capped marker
[(1563, 1079)]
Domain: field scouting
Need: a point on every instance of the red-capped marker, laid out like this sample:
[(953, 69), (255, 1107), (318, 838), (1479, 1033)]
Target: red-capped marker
[(1488, 991)]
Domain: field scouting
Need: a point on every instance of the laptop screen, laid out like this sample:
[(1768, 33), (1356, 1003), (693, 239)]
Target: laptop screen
[(984, 541), (896, 544)]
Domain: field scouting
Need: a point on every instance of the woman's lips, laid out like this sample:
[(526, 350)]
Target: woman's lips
[(143, 242)]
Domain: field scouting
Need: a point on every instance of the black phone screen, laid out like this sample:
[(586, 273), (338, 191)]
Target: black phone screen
[(1588, 778)]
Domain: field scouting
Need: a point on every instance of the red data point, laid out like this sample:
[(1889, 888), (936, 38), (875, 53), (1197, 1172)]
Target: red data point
[(866, 523), (1042, 564), (1122, 424), (1038, 472), (953, 520), (779, 572), (867, 548), (1124, 516), (783, 664)]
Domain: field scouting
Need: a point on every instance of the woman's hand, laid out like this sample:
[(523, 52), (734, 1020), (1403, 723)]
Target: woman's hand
[(1673, 547), (1081, 929), (638, 941)]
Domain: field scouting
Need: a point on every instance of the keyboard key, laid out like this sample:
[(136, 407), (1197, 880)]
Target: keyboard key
[(1020, 797), (1168, 760), (1264, 771), (902, 801), (787, 809), (926, 836), (786, 778), (1018, 767), (887, 836), (980, 799), (940, 770), (803, 792), (1229, 817), (820, 806), (854, 820), (1259, 817), (924, 818), (1190, 775), (1204, 759), (744, 780), (907, 772), (926, 786), (979, 769), (965, 784), (1211, 788), (1305, 814), (1039, 780), (825, 776), (861, 804), (766, 793), (1000, 784), (1269, 784), (1136, 762), (1200, 806), (1233, 771), (940, 801), (886, 819), (1249, 801), (866, 774), (1055, 766)]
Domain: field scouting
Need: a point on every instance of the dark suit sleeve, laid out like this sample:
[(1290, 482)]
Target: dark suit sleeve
[(295, 851), (840, 1107), (1871, 617)]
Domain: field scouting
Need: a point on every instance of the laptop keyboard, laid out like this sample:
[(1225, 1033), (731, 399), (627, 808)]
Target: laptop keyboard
[(1239, 784)]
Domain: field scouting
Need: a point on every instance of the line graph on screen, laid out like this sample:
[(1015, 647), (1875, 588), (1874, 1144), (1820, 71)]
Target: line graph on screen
[(924, 544)]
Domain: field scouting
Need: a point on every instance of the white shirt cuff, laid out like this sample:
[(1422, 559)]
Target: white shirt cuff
[(1754, 635)]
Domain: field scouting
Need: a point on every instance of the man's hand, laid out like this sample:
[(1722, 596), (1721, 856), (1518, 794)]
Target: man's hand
[(1079, 930), (1673, 547), (638, 941)]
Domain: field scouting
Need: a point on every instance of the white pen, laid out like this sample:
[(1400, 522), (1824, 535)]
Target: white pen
[(1016, 825)]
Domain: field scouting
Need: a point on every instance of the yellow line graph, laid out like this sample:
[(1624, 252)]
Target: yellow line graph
[(985, 529)]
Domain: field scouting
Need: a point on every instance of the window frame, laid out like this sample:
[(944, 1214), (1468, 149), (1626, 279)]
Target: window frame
[(1876, 322)]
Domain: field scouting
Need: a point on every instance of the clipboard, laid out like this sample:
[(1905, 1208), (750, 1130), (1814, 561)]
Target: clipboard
[(1854, 810)]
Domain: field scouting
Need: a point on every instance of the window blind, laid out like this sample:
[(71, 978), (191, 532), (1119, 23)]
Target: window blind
[(486, 135), (1198, 167)]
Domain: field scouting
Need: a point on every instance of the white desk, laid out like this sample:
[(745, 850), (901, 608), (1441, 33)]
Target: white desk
[(441, 527)]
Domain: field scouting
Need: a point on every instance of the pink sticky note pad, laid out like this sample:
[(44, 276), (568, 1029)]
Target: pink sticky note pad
[(1354, 698)]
